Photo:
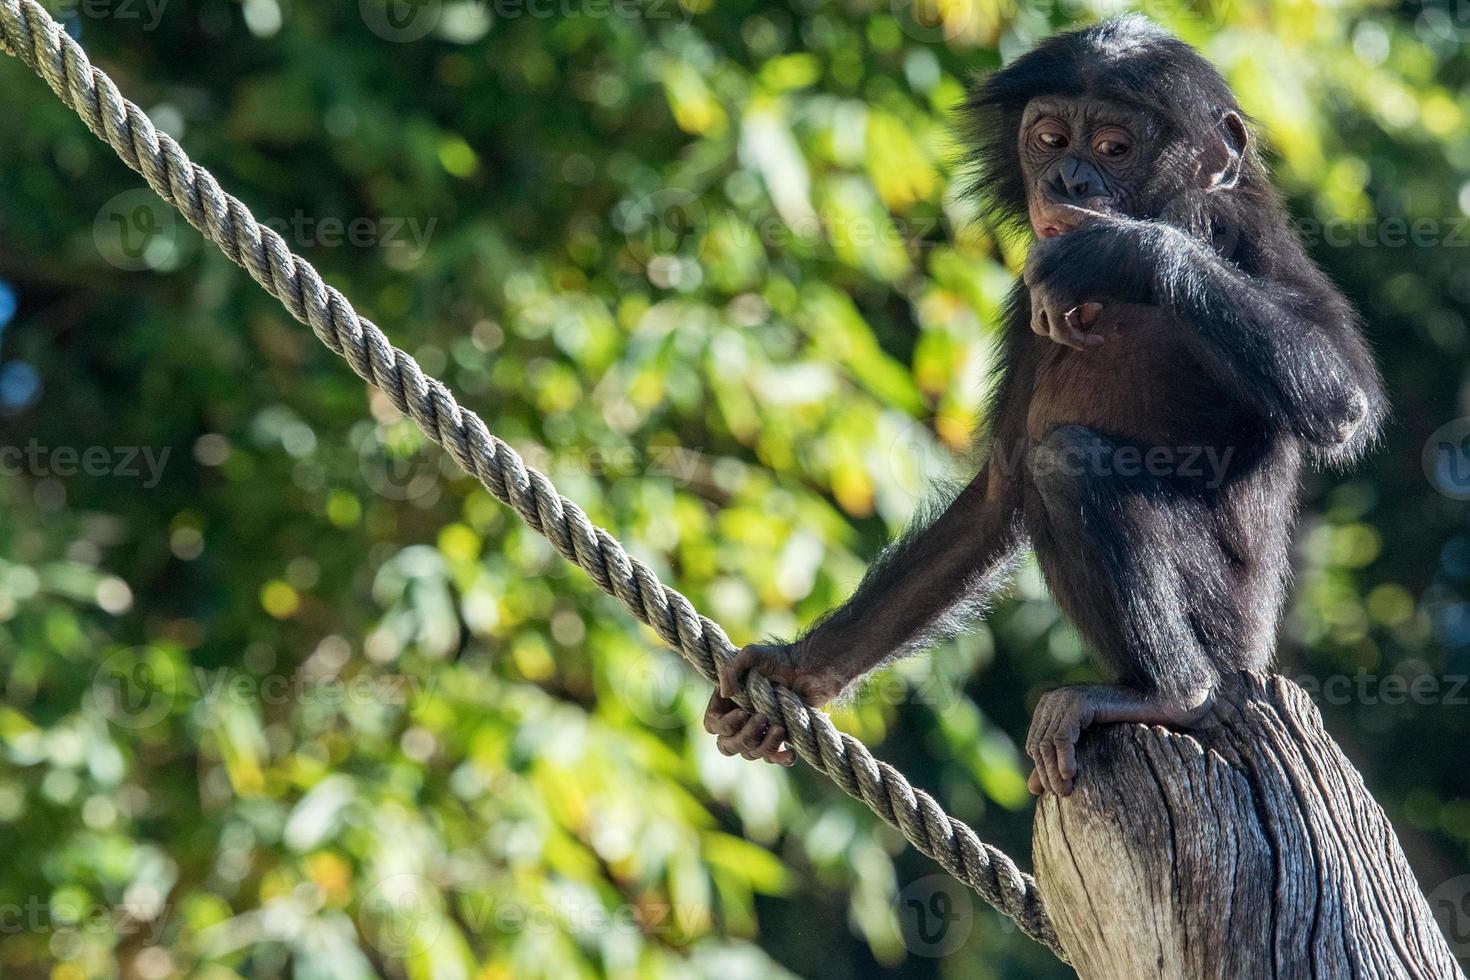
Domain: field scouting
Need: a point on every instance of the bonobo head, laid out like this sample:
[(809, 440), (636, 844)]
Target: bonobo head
[(1118, 118)]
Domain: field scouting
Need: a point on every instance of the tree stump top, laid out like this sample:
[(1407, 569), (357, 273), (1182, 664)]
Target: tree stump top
[(1245, 848)]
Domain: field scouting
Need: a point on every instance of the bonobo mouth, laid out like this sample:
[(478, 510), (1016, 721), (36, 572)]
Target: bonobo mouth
[(1051, 220)]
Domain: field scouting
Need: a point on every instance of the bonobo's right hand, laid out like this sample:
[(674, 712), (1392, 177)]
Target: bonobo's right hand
[(753, 735)]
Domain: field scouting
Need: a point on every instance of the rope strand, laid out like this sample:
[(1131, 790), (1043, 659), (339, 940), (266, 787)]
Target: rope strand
[(29, 33)]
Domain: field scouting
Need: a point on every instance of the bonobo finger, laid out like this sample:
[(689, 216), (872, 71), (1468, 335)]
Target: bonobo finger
[(740, 740), (718, 708), (1053, 779), (1067, 758), (1039, 325), (1033, 783), (734, 672), (748, 739), (1033, 740), (732, 722), (1051, 774), (1060, 332), (770, 747), (1065, 768), (1073, 333), (1078, 320), (1063, 334)]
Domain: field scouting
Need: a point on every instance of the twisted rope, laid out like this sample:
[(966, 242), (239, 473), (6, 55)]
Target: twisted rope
[(29, 33)]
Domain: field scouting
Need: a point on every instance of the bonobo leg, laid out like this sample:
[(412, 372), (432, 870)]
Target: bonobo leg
[(1135, 558)]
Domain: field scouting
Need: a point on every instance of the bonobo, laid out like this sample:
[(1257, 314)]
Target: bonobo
[(1172, 358)]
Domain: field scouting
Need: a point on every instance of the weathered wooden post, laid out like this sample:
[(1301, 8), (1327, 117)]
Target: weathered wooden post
[(1247, 849)]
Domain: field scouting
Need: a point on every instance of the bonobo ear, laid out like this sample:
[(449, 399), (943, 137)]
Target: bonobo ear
[(1228, 156)]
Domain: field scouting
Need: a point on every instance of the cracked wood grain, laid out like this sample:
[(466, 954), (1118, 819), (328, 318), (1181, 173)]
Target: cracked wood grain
[(1247, 848)]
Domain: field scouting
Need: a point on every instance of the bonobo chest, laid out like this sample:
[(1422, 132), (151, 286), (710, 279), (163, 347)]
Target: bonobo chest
[(1143, 383)]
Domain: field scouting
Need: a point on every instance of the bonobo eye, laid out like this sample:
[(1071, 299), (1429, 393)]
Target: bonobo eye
[(1113, 144), (1050, 135)]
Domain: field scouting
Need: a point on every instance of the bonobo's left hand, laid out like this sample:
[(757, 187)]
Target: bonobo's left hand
[(1074, 275)]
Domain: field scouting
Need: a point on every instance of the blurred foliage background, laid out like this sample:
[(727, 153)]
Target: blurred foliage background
[(286, 695)]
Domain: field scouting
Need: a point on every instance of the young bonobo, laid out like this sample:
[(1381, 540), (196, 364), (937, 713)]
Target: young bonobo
[(1172, 358)]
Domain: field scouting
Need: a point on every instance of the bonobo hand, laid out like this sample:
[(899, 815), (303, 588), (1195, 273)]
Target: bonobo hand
[(748, 733), (1064, 322), (1072, 274)]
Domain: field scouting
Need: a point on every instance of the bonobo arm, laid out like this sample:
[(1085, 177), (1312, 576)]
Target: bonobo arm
[(1282, 338), (926, 585)]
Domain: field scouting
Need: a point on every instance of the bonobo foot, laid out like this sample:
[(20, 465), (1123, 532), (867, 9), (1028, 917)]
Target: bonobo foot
[(1064, 714)]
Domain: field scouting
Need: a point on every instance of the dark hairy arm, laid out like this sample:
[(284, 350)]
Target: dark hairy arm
[(925, 586), (929, 584), (1284, 339)]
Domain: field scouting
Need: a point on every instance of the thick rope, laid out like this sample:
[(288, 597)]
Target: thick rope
[(29, 33)]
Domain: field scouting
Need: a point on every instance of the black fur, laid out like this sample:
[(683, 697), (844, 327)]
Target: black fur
[(1226, 342)]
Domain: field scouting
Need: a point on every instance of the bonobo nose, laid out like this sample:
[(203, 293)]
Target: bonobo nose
[(1076, 180)]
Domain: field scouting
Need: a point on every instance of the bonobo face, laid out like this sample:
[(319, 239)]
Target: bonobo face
[(1081, 155)]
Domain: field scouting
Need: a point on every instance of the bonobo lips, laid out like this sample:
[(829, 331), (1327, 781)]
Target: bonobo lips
[(1052, 220)]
